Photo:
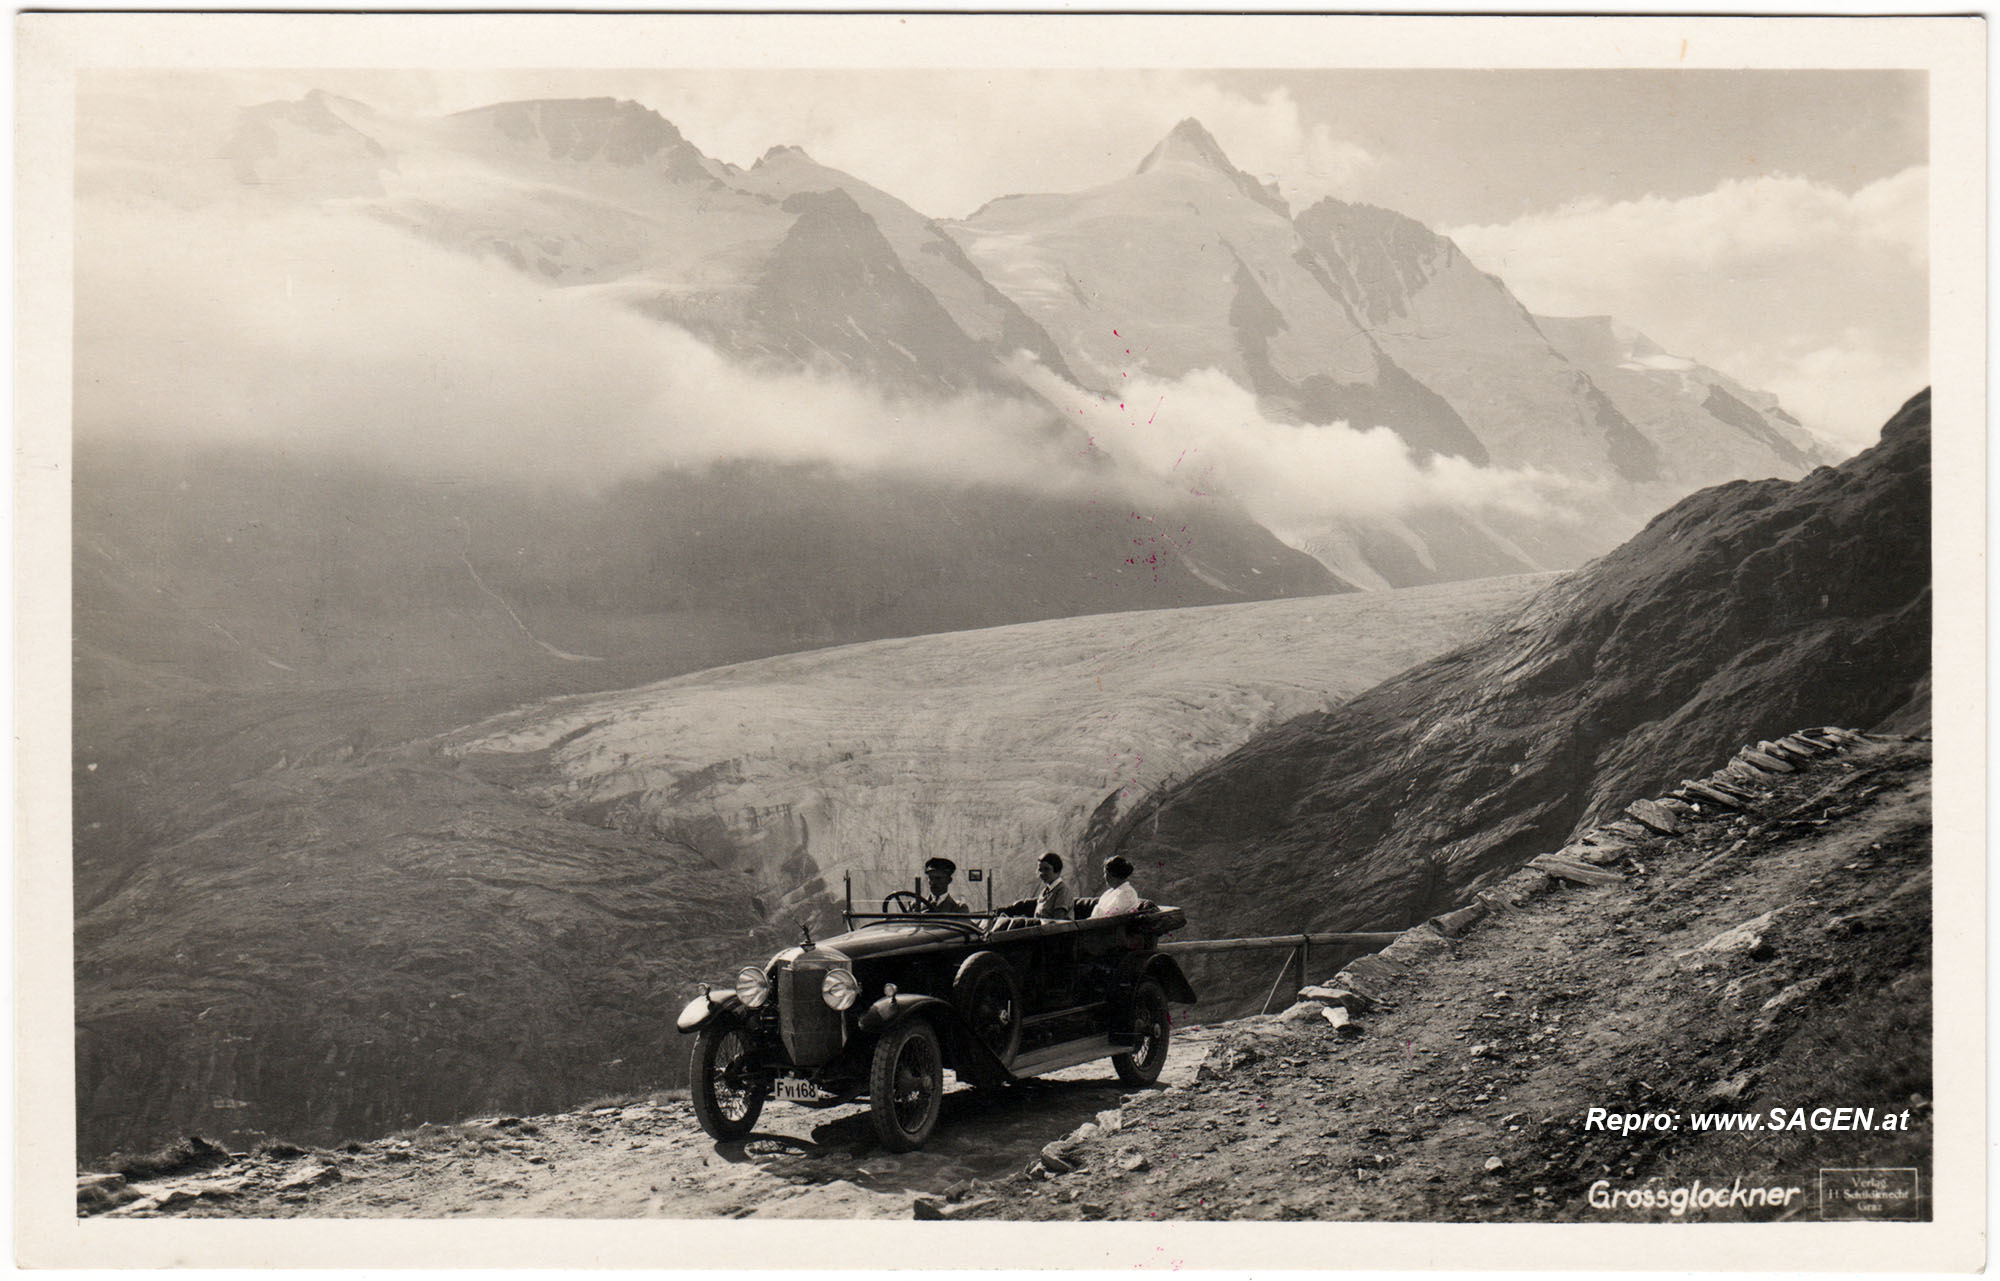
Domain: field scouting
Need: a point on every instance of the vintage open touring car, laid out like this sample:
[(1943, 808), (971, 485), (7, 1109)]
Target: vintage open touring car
[(882, 1011)]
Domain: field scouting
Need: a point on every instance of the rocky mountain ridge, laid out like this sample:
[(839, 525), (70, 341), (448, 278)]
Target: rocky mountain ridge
[(1744, 609), (1358, 314)]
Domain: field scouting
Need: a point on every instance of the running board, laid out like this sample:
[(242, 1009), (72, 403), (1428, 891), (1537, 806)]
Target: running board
[(1068, 1054), (1071, 1012)]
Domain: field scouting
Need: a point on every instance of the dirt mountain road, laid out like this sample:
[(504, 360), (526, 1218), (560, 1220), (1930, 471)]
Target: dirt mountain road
[(648, 1159)]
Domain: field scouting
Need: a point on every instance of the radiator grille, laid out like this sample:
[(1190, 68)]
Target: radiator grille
[(812, 1032)]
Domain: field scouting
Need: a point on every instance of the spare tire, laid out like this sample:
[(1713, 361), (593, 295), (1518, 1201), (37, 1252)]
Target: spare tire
[(988, 997)]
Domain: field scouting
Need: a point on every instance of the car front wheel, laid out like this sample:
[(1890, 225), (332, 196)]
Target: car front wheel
[(726, 1099), (906, 1085), (1150, 1027)]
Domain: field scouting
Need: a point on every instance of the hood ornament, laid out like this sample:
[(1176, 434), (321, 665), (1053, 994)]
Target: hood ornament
[(806, 935)]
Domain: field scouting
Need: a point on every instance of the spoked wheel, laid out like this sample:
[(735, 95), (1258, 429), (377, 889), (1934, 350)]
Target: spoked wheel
[(988, 996), (726, 1099), (904, 901), (1151, 1027), (906, 1085)]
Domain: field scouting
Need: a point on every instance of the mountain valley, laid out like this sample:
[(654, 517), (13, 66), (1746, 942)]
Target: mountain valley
[(385, 928)]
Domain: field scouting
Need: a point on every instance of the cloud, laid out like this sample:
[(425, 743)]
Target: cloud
[(1739, 222), (1778, 281), (1205, 436), (332, 333), (1848, 387)]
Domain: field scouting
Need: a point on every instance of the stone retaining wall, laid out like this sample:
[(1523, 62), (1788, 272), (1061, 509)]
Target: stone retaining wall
[(1591, 859)]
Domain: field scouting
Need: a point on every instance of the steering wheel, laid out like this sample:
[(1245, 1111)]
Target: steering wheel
[(905, 901)]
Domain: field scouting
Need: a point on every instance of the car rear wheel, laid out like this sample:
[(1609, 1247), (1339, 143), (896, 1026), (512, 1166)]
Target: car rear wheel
[(906, 1085), (1151, 1026), (988, 998), (726, 1100)]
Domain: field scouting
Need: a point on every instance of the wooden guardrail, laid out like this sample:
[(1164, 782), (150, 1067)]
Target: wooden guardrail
[(1299, 945), (1378, 939)]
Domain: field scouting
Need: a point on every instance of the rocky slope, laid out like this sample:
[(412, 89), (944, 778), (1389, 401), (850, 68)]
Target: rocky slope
[(1771, 954), (1742, 611), (347, 946)]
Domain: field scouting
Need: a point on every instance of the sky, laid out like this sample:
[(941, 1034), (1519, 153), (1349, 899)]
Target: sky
[(1769, 223)]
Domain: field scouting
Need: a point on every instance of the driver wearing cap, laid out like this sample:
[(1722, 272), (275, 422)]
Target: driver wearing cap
[(937, 878)]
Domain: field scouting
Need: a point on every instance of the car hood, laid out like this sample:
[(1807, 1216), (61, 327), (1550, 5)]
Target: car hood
[(889, 937)]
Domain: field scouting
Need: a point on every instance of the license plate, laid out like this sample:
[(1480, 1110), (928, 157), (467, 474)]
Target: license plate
[(790, 1087)]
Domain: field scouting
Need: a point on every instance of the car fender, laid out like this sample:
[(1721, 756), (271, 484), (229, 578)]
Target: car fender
[(967, 1056), (706, 1008), (891, 1010), (1166, 971)]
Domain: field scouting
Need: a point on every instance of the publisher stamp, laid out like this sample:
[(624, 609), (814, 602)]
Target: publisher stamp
[(1885, 1195)]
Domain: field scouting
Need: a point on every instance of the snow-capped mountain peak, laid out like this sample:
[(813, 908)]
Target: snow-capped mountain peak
[(617, 131), (309, 147), (783, 151), (1191, 146), (1188, 143)]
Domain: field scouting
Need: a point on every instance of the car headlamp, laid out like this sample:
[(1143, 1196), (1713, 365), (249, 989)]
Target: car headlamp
[(839, 989), (753, 988)]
